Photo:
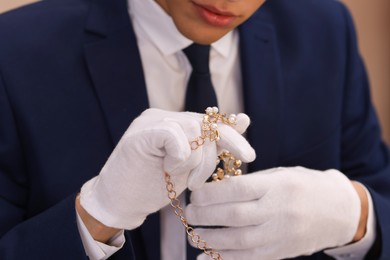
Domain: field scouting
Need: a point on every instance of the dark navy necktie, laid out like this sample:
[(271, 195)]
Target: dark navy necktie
[(200, 92), (200, 95)]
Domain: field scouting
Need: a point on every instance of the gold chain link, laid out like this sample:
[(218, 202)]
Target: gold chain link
[(209, 131), (192, 235)]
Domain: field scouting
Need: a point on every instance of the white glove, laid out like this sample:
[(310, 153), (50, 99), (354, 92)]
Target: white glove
[(131, 184), (277, 213)]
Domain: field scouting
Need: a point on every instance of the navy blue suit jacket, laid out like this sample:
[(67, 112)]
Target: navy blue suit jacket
[(71, 82)]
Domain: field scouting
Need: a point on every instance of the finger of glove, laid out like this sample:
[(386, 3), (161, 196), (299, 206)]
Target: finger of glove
[(242, 123), (190, 125), (235, 214), (234, 238), (205, 168), (158, 114), (236, 144), (169, 138), (190, 122), (157, 139), (235, 189)]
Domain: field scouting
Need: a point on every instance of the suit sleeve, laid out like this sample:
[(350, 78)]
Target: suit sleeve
[(53, 234), (365, 157)]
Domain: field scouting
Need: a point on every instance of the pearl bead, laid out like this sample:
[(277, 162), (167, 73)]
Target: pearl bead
[(232, 118)]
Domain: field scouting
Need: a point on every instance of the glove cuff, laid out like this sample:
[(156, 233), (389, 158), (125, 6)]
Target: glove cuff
[(95, 200), (349, 211)]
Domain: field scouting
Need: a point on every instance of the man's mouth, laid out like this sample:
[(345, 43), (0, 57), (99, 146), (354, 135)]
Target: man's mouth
[(214, 16)]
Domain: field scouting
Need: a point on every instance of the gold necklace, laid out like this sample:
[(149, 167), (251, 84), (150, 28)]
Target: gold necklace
[(230, 168)]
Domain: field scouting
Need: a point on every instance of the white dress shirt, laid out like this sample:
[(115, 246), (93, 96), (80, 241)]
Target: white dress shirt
[(166, 67), (167, 71)]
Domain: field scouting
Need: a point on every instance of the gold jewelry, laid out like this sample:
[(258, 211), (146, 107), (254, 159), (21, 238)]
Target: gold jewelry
[(192, 235), (230, 168), (210, 126)]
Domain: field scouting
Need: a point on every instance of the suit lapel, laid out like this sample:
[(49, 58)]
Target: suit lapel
[(114, 65), (261, 73)]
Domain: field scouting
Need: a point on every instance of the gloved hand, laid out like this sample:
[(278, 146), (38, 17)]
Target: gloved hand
[(277, 213), (131, 184)]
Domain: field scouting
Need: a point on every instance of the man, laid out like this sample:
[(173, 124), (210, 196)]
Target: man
[(75, 74)]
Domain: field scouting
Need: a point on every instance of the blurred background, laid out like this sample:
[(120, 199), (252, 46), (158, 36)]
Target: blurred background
[(372, 19)]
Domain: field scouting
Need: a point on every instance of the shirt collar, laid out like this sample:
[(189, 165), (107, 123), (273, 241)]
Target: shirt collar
[(159, 27)]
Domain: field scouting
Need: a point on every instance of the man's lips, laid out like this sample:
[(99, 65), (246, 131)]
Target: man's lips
[(215, 17), (216, 10)]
